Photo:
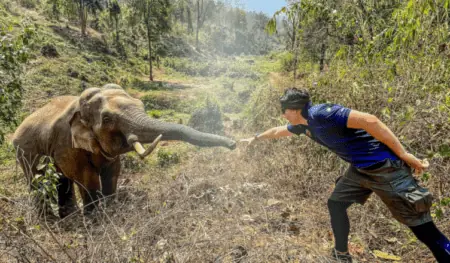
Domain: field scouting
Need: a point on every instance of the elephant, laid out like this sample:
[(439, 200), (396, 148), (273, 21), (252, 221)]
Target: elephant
[(85, 136)]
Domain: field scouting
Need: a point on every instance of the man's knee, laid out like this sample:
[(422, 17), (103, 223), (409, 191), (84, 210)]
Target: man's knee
[(331, 204), (337, 206)]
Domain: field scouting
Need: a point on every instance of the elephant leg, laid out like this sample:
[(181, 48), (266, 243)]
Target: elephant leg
[(77, 166), (109, 174), (66, 197), (90, 191)]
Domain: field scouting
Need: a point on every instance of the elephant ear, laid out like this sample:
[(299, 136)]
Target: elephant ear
[(82, 135)]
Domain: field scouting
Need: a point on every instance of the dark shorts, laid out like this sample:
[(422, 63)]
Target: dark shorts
[(393, 182)]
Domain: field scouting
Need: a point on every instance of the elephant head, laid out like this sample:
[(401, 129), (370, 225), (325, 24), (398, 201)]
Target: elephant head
[(110, 122)]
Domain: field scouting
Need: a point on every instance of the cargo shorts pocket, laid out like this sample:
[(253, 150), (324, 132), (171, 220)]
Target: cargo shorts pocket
[(417, 198)]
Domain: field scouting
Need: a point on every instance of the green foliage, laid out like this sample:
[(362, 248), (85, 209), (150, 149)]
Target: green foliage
[(52, 8), (155, 16), (441, 206), (212, 68), (223, 29), (45, 183), (195, 68), (159, 102), (167, 157), (155, 114), (287, 62), (131, 163), (7, 154), (444, 150), (28, 3), (13, 54)]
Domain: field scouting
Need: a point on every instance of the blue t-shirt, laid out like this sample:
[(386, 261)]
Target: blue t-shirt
[(327, 125)]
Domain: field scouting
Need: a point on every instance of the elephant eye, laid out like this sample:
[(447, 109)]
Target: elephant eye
[(106, 120)]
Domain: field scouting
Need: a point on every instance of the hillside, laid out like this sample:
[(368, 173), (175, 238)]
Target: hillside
[(262, 203)]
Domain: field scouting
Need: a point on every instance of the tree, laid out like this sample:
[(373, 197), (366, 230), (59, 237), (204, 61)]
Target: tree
[(53, 8), (155, 16), (259, 39), (292, 24), (82, 9), (202, 12), (240, 31), (114, 14)]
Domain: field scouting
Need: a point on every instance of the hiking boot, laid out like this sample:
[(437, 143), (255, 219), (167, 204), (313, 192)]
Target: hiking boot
[(341, 257)]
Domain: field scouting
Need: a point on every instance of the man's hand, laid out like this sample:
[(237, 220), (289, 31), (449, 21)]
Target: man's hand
[(418, 165), (248, 140)]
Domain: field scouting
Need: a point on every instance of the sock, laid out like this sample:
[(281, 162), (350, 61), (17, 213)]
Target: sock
[(434, 240)]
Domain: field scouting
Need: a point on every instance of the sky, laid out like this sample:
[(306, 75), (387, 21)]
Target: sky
[(266, 6)]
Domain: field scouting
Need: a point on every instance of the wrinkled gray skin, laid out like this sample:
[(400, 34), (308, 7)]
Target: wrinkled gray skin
[(85, 135)]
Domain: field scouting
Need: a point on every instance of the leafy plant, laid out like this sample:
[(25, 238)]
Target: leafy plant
[(45, 184), (13, 54), (166, 158)]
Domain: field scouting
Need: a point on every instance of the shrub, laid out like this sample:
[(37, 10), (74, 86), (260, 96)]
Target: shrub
[(28, 3), (167, 157), (207, 119), (45, 185), (196, 68), (131, 163), (159, 102), (155, 114), (287, 61), (49, 50)]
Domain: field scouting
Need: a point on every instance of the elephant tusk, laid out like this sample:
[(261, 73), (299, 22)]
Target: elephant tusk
[(152, 146), (140, 149)]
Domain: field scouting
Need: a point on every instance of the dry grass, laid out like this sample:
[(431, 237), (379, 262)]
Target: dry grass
[(255, 204), (265, 203)]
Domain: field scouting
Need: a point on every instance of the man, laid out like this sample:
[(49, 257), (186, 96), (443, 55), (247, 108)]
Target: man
[(378, 163)]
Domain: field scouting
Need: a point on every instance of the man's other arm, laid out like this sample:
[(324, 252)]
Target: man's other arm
[(379, 130)]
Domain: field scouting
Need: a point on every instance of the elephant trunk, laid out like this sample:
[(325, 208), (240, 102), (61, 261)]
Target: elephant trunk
[(146, 130)]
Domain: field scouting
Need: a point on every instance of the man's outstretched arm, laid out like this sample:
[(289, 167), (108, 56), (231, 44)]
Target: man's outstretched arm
[(272, 133), (379, 130)]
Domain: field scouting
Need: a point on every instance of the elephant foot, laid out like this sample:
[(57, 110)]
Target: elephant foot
[(67, 210), (90, 208)]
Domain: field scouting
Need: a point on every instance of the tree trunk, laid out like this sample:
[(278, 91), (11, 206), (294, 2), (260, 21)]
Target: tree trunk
[(294, 32), (149, 38), (83, 17), (96, 21), (295, 59), (322, 56), (150, 50), (295, 43), (190, 28), (198, 24), (55, 11), (116, 19)]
